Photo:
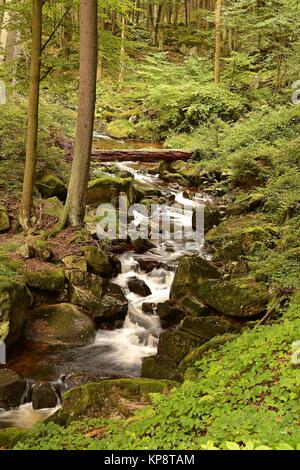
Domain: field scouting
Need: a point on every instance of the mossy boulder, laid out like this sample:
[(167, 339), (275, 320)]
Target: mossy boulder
[(145, 190), (108, 188), (121, 129), (175, 178), (98, 261), (48, 278), (113, 305), (75, 262), (194, 307), (246, 203), (4, 220), (191, 271), (53, 207), (212, 217), (51, 186), (15, 300), (10, 437), (177, 344), (237, 297), (160, 367), (208, 327), (109, 399), (12, 388), (168, 311), (61, 324)]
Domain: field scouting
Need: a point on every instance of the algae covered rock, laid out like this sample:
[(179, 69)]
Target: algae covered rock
[(208, 327), (191, 271), (177, 344), (167, 311), (108, 188), (49, 278), (237, 297), (15, 300), (145, 190), (12, 388), (61, 324), (98, 261), (4, 220), (113, 304), (109, 399), (51, 186)]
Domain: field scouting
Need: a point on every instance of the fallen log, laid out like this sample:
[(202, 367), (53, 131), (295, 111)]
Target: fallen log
[(152, 156)]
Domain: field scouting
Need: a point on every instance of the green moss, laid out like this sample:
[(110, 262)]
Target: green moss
[(50, 279), (10, 437), (121, 129), (107, 398), (106, 189)]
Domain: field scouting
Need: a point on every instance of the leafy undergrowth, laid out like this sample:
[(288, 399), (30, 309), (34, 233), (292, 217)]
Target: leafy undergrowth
[(243, 396)]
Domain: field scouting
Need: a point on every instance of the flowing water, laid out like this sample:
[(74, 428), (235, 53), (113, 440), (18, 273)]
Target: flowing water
[(118, 352)]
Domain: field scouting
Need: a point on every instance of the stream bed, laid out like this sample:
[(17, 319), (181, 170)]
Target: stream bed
[(117, 352)]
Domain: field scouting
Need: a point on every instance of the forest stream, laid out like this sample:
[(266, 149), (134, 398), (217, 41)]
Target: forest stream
[(117, 352)]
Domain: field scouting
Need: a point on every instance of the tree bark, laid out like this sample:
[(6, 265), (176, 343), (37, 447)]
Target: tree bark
[(74, 211), (218, 50), (140, 155), (33, 113)]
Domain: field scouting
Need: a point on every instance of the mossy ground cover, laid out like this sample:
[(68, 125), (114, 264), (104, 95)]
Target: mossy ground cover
[(244, 395)]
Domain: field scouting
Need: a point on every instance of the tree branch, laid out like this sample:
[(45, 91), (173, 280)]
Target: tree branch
[(55, 30)]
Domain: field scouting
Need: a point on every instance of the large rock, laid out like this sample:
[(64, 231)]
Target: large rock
[(208, 327), (44, 396), (141, 245), (52, 186), (145, 190), (109, 399), (212, 217), (98, 261), (108, 188), (4, 220), (62, 324), (48, 278), (237, 297), (160, 367), (177, 344), (15, 300), (167, 311), (12, 388), (53, 207), (113, 304), (139, 287), (191, 272)]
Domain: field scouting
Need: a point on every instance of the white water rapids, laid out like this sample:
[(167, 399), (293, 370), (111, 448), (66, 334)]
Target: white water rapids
[(121, 351)]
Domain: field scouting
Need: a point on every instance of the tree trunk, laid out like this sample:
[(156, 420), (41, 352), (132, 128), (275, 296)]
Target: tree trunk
[(33, 112), (74, 211), (122, 51), (218, 50)]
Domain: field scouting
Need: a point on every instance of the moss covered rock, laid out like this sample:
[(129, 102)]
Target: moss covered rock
[(191, 271), (160, 367), (208, 327), (53, 207), (167, 311), (98, 261), (4, 220), (237, 297), (15, 300), (177, 344), (51, 186), (10, 437), (113, 304), (121, 129), (108, 188), (109, 399), (145, 190), (62, 324), (49, 279)]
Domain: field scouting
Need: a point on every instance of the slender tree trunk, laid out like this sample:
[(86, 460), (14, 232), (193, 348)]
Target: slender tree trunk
[(33, 112), (122, 51), (218, 50), (101, 55), (74, 211)]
